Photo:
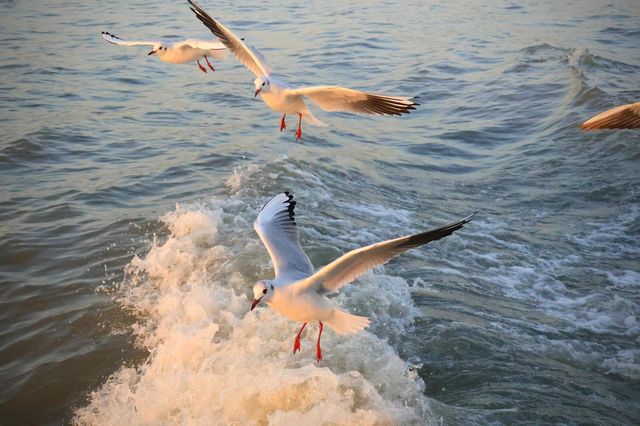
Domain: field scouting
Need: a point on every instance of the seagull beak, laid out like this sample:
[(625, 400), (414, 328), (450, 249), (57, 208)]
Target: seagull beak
[(151, 53), (257, 91), (255, 302)]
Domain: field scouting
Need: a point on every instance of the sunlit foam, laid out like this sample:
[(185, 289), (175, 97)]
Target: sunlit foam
[(213, 361)]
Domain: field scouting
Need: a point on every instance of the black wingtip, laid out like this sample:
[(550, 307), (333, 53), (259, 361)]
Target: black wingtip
[(111, 35), (426, 237), (194, 5), (291, 207), (291, 211)]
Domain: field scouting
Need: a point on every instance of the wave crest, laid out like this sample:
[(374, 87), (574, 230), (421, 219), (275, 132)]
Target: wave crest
[(212, 361)]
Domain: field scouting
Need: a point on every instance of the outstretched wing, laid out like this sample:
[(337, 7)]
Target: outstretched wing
[(622, 117), (215, 47), (350, 266), (277, 229), (336, 98), (248, 56), (117, 40)]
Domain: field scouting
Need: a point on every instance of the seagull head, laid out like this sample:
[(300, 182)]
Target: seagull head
[(158, 49), (261, 291), (262, 85)]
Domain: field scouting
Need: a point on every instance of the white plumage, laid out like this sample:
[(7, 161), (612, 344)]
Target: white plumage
[(279, 96), (297, 292), (180, 52)]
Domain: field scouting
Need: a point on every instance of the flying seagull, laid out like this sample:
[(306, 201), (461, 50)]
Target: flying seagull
[(297, 292), (180, 52), (280, 97), (622, 117)]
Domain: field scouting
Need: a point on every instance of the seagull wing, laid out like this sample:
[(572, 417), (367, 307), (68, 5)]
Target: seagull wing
[(336, 98), (248, 56), (350, 266), (215, 47), (277, 229), (622, 117), (117, 40)]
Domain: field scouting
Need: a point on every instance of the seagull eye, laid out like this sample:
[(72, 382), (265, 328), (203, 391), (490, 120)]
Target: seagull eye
[(263, 84), (264, 291)]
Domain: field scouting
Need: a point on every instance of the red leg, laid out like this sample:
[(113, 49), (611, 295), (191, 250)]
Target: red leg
[(201, 67), (210, 66), (299, 132), (296, 344), (283, 125), (318, 350)]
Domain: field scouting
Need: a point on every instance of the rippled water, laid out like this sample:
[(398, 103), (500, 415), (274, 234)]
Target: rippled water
[(129, 187)]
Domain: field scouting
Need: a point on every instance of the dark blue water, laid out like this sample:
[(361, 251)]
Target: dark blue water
[(129, 187)]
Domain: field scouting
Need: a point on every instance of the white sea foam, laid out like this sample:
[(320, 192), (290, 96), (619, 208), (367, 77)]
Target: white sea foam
[(626, 363), (214, 362), (625, 279), (538, 276), (240, 174)]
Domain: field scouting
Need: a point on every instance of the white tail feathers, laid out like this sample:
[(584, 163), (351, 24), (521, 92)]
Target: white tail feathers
[(312, 120), (344, 323)]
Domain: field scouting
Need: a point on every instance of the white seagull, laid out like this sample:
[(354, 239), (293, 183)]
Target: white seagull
[(180, 52), (622, 117), (297, 292), (279, 96)]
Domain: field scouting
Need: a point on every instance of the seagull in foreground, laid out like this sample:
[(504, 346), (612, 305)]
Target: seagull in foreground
[(622, 117), (180, 52), (297, 292), (279, 96)]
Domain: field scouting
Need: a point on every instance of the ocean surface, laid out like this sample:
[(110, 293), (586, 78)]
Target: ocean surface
[(129, 188)]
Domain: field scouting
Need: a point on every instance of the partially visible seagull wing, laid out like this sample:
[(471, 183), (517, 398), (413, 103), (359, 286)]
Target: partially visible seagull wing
[(277, 229), (117, 40), (336, 98), (622, 117), (350, 266), (215, 47), (248, 56)]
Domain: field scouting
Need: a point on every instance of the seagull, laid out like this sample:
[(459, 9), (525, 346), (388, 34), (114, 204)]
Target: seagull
[(180, 52), (297, 292), (280, 97), (622, 117)]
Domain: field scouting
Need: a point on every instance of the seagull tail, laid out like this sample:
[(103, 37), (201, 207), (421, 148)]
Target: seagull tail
[(312, 120), (344, 323)]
